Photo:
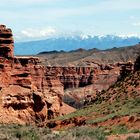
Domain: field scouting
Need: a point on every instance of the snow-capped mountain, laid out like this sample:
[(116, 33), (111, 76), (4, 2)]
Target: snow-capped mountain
[(74, 42)]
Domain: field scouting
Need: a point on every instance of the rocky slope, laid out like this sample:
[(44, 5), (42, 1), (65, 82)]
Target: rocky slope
[(127, 86), (29, 93)]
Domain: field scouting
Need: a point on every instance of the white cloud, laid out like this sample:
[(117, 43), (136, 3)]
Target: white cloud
[(136, 24), (129, 36), (31, 34), (132, 17)]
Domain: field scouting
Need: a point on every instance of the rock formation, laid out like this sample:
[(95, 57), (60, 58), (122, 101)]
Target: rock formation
[(28, 93), (6, 42), (126, 69), (100, 76), (72, 77), (83, 83), (126, 87), (137, 64)]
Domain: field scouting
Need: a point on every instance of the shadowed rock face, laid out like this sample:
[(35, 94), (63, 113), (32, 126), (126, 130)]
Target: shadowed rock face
[(72, 77), (137, 64), (25, 86)]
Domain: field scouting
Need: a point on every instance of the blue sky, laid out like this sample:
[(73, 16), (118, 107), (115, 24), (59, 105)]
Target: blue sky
[(39, 19)]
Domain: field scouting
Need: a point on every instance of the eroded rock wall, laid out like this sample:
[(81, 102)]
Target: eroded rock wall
[(28, 93), (100, 76), (72, 77)]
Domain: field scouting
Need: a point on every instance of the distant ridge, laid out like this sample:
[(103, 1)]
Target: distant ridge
[(51, 52), (83, 57)]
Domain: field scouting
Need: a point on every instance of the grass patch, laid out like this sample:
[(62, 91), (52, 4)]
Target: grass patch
[(108, 111), (83, 133), (79, 113), (101, 119), (118, 109), (120, 129), (17, 132)]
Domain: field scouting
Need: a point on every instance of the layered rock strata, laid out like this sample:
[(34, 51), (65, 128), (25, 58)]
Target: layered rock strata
[(100, 76), (28, 93), (72, 77)]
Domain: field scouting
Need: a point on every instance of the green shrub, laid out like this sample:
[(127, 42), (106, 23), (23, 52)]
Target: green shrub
[(133, 138), (135, 131), (120, 129), (84, 133), (26, 134)]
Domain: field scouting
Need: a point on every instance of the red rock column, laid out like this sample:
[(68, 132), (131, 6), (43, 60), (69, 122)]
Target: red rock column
[(6, 42)]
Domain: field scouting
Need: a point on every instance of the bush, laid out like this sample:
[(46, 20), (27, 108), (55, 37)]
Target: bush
[(84, 133), (27, 134), (120, 129), (133, 138)]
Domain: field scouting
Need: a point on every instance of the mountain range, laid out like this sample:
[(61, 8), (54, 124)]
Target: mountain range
[(72, 43), (82, 57)]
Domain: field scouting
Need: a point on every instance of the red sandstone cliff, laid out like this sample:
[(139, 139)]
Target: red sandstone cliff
[(100, 76), (72, 77), (82, 83), (28, 92)]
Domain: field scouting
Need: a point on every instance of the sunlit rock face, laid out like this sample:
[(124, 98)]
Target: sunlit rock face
[(28, 93)]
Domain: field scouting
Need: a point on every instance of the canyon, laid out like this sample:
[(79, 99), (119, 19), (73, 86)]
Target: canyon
[(113, 109), (49, 98), (32, 92)]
